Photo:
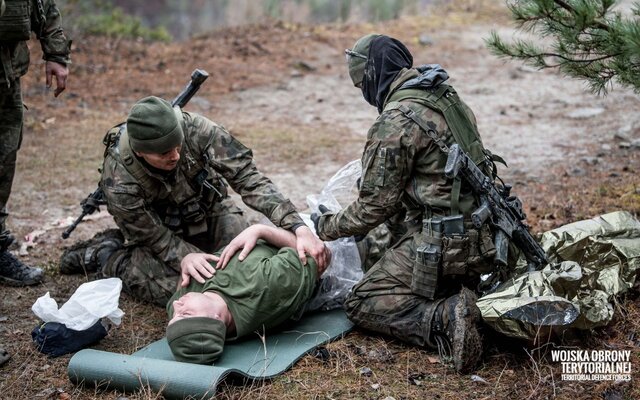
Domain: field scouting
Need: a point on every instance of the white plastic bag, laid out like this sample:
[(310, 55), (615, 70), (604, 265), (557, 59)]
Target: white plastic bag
[(91, 302), (345, 269)]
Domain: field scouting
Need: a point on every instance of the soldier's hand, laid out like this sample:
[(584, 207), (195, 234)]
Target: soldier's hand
[(308, 244), (315, 217), (60, 72), (246, 241), (197, 266)]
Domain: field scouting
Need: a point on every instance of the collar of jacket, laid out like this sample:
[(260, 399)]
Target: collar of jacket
[(404, 75)]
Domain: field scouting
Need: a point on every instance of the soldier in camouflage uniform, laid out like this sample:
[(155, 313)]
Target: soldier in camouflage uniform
[(18, 19), (417, 291), (165, 178)]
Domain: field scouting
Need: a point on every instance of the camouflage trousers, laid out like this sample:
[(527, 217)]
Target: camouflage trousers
[(383, 301), (11, 114), (147, 278)]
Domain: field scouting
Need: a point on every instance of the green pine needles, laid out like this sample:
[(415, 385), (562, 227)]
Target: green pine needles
[(585, 39)]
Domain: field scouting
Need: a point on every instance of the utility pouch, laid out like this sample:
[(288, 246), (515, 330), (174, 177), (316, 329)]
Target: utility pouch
[(456, 245), (172, 218), (15, 23), (455, 254), (424, 280), (194, 218)]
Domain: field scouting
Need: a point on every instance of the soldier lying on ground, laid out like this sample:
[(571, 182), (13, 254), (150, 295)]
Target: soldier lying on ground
[(416, 296), (256, 290), (165, 181)]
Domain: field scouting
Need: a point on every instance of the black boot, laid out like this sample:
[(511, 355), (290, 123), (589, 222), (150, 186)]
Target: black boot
[(13, 272), (91, 255), (455, 330)]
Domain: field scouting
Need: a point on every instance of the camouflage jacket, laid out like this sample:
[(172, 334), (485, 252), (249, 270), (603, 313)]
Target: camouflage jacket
[(47, 25), (140, 199), (401, 167)]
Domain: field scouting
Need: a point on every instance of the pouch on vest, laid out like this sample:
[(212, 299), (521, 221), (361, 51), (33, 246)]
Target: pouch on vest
[(424, 280), (15, 23), (193, 217), (467, 250)]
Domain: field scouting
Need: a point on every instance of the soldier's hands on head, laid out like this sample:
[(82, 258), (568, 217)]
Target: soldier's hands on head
[(246, 241), (197, 266), (308, 244), (60, 72)]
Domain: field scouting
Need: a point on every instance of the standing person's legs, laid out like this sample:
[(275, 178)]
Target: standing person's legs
[(12, 270)]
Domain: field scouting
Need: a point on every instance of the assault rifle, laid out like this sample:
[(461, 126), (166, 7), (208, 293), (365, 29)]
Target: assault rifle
[(97, 198), (502, 211)]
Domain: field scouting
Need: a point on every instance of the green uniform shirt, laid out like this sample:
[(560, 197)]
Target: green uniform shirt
[(264, 290)]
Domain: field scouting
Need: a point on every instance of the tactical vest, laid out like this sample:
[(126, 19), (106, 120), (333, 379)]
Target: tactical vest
[(15, 22), (445, 100), (185, 209)]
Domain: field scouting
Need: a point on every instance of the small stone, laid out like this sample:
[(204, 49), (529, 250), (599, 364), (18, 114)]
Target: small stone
[(624, 145), (425, 40), (479, 379), (590, 160), (366, 371), (584, 113), (375, 386), (606, 147)]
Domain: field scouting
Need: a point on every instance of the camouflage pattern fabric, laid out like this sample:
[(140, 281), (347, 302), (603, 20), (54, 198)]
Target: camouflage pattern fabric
[(10, 138), (147, 278), (14, 62), (14, 56), (167, 215), (403, 171), (383, 301)]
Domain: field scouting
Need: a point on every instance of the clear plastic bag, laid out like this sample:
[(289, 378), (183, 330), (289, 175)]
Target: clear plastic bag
[(345, 269), (91, 302)]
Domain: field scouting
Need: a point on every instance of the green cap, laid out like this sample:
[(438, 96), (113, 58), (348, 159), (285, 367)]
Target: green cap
[(154, 126), (357, 63), (198, 340)]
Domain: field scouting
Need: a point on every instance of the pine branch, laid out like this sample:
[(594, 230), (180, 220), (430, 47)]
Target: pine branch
[(588, 40)]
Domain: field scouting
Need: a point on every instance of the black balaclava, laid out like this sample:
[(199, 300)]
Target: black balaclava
[(387, 57)]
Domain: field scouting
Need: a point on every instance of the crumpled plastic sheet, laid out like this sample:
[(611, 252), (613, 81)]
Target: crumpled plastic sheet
[(91, 302), (345, 269), (591, 262)]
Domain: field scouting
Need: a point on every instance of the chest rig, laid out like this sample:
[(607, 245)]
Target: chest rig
[(15, 22), (445, 100), (184, 198)]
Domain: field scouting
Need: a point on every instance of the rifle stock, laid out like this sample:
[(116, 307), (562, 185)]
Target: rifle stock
[(97, 198)]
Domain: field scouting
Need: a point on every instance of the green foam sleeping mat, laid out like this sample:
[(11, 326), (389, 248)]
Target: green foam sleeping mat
[(248, 359)]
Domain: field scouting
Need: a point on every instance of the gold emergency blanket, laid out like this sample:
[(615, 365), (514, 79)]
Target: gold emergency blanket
[(591, 262)]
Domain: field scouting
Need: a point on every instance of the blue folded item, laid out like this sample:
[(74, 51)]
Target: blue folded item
[(55, 339)]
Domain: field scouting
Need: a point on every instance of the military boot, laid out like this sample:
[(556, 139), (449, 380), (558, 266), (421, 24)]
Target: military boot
[(91, 255), (455, 330), (13, 272)]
